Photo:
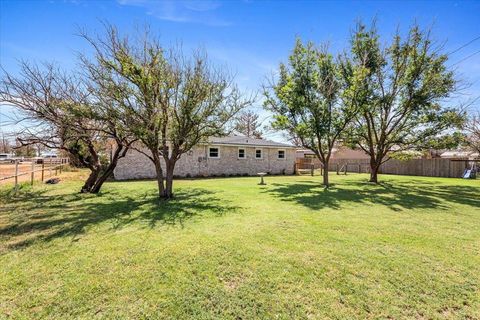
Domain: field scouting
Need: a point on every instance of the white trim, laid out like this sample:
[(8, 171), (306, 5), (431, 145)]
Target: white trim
[(284, 154), (244, 153), (261, 153), (208, 152)]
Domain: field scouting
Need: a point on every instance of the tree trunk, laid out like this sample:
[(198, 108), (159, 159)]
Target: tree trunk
[(90, 182), (159, 172), (119, 153), (99, 183), (168, 193), (374, 166), (325, 175)]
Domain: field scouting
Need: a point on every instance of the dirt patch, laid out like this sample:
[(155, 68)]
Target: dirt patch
[(24, 169)]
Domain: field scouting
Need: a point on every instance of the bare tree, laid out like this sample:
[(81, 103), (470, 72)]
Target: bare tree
[(472, 129), (171, 102), (248, 124), (5, 145), (61, 111)]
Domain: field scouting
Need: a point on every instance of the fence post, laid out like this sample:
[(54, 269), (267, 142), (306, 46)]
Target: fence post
[(50, 168), (346, 168), (16, 175), (33, 172), (43, 168), (312, 168), (337, 169), (359, 168)]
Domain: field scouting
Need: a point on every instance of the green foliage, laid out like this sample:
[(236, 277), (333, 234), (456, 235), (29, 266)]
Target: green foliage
[(402, 88), (311, 100), (406, 155), (170, 102), (447, 141)]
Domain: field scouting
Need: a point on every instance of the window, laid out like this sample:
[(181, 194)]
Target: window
[(258, 154), (309, 156), (213, 153), (241, 154), (281, 154)]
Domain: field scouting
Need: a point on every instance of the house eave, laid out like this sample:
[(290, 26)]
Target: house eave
[(249, 145)]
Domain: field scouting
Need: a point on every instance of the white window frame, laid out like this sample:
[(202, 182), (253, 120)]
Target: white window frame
[(261, 153), (244, 154), (218, 156), (284, 154)]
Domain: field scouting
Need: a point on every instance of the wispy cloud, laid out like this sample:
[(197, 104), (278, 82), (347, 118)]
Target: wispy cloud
[(202, 12)]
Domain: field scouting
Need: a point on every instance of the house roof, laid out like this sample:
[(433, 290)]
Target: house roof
[(246, 141), (459, 154), (308, 151)]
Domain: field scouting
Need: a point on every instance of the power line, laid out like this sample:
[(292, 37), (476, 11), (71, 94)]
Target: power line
[(471, 103), (463, 46), (467, 57)]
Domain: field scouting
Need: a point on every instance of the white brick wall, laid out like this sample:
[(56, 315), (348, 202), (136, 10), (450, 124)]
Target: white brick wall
[(135, 165)]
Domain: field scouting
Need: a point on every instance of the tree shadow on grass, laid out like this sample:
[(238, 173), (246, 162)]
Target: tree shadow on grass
[(35, 216), (397, 195)]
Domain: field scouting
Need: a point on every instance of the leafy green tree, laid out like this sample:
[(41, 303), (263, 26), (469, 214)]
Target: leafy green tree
[(311, 101), (172, 102), (401, 95)]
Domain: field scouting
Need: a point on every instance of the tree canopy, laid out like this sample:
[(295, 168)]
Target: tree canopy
[(402, 96), (172, 102), (63, 111), (311, 101)]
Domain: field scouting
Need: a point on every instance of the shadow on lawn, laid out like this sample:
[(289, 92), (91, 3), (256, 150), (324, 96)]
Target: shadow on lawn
[(398, 195), (37, 216)]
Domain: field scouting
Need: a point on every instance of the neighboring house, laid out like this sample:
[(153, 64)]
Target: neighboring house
[(460, 155), (223, 156)]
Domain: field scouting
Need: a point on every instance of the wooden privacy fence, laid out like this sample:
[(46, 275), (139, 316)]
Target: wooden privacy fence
[(307, 165), (415, 167), (36, 169)]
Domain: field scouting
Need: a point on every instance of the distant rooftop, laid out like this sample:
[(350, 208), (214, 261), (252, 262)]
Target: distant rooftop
[(246, 141), (463, 154)]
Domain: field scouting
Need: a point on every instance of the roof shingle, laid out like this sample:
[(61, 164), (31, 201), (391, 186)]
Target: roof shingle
[(242, 140)]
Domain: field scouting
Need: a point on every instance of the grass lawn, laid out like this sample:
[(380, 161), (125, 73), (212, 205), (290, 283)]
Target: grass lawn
[(229, 248)]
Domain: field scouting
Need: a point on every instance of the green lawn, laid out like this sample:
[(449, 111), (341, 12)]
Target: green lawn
[(229, 248)]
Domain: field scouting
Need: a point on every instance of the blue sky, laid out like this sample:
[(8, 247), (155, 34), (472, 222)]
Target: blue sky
[(250, 37)]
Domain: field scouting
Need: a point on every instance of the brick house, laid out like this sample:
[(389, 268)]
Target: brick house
[(221, 156)]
